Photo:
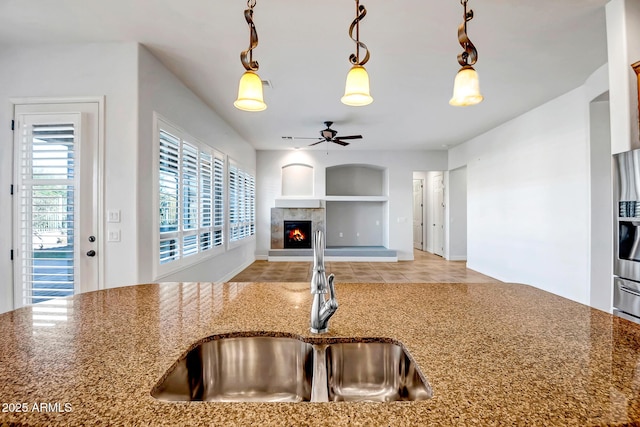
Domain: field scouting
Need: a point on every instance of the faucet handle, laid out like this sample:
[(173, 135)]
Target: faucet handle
[(332, 289)]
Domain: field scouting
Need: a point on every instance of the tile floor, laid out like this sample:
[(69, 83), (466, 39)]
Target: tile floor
[(425, 268)]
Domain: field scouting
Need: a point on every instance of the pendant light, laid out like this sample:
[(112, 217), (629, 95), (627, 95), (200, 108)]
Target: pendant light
[(356, 92), (466, 87), (250, 95)]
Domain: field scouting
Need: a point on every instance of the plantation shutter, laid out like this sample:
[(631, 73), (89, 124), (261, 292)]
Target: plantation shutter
[(218, 215), (241, 203), (190, 198), (169, 186), (47, 181)]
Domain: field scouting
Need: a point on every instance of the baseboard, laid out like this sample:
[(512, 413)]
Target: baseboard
[(457, 258), (237, 271), (333, 259), (262, 257), (361, 258)]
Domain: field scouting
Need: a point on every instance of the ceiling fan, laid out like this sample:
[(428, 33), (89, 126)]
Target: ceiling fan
[(328, 135)]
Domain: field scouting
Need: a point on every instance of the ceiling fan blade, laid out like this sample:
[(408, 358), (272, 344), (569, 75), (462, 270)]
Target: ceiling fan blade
[(316, 143), (300, 137), (337, 141), (350, 137)]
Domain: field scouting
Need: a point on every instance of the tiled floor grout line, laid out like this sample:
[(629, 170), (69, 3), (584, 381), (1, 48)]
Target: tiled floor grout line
[(425, 268)]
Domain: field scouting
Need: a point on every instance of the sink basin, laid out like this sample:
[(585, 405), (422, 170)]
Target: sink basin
[(289, 369), (241, 369), (373, 372)]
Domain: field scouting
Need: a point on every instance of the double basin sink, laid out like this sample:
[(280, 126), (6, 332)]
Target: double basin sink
[(261, 368)]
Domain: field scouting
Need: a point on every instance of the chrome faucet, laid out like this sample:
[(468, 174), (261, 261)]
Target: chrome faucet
[(321, 309)]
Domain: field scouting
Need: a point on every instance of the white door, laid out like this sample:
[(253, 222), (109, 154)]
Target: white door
[(55, 200), (417, 214), (438, 215)]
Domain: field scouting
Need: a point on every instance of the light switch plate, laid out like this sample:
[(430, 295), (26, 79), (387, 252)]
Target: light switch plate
[(113, 236), (113, 215)]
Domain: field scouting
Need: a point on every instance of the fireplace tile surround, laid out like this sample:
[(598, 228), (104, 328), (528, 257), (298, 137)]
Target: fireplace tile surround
[(280, 215)]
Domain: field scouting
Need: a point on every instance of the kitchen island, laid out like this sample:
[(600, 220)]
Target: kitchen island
[(493, 353)]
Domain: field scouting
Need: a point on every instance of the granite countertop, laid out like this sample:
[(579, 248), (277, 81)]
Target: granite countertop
[(494, 354)]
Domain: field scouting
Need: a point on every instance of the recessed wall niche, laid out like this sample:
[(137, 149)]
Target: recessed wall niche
[(297, 180), (355, 180)]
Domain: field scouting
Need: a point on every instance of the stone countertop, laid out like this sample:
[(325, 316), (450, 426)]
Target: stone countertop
[(494, 354)]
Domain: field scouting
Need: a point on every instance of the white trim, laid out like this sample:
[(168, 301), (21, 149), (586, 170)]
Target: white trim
[(99, 168), (236, 271), (457, 258)]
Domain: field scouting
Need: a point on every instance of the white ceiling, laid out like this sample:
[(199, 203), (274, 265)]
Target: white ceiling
[(529, 51)]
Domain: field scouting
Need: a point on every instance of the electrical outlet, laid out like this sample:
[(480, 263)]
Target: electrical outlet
[(341, 234)]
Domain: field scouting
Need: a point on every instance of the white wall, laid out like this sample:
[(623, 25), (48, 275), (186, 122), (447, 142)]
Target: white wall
[(456, 215), (77, 71), (399, 164), (162, 92), (528, 196), (601, 244)]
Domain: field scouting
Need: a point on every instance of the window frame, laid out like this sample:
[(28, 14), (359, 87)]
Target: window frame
[(217, 225)]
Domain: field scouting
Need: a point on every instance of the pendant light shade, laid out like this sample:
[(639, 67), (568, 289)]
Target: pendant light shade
[(466, 88), (356, 91), (250, 95)]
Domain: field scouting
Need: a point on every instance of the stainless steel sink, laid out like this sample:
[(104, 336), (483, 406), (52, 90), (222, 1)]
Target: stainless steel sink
[(373, 372), (288, 369), (241, 369)]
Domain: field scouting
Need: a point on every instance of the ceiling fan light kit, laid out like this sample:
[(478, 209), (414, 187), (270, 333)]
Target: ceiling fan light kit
[(250, 94), (466, 87), (328, 135)]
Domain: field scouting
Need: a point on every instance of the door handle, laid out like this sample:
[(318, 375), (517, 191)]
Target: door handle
[(91, 253)]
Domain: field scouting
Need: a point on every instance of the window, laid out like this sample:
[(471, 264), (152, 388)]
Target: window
[(190, 196), (242, 205)]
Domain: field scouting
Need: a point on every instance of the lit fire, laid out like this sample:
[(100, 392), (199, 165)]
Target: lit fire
[(296, 235)]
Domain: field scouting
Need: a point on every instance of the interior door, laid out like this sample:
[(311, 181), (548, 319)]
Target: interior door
[(55, 201), (418, 214), (438, 215)]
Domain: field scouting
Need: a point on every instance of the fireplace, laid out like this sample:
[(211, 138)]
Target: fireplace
[(297, 234)]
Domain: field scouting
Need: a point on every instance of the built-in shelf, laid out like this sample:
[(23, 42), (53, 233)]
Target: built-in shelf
[(297, 202), (358, 180), (356, 198)]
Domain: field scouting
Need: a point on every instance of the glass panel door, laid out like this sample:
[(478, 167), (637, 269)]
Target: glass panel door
[(55, 220)]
